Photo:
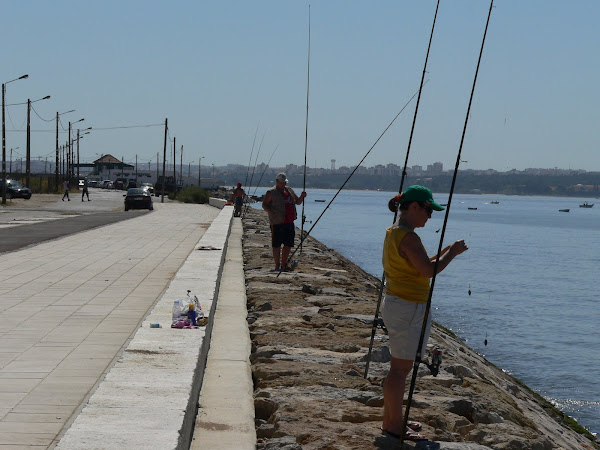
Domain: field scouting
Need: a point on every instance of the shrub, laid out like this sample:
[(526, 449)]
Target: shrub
[(192, 194)]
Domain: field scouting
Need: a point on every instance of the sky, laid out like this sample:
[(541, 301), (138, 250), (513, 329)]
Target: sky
[(224, 71)]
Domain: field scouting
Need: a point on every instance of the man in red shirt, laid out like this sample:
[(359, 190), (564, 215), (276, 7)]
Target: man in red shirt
[(280, 204)]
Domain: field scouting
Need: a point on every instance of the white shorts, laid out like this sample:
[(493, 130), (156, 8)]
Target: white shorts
[(404, 320)]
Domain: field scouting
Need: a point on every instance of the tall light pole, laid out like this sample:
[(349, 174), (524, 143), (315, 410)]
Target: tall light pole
[(70, 151), (57, 154), (86, 132), (4, 138), (28, 163), (200, 171)]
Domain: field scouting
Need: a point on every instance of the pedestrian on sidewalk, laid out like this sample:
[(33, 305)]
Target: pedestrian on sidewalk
[(407, 269), (280, 204), (85, 189), (66, 186)]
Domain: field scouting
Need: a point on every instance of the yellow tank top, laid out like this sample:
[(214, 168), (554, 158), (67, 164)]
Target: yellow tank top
[(402, 279)]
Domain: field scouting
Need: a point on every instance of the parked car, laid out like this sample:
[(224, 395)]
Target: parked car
[(148, 187), (118, 184), (131, 184), (14, 189), (93, 183), (138, 198), (105, 183), (109, 185)]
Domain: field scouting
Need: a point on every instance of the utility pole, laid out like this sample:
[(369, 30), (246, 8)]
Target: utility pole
[(77, 158), (157, 162), (174, 164), (28, 154), (162, 191), (56, 168), (181, 166), (136, 170)]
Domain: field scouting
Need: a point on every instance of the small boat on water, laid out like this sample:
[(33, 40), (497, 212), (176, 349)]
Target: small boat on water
[(319, 201), (494, 202), (564, 210), (586, 205), (472, 208)]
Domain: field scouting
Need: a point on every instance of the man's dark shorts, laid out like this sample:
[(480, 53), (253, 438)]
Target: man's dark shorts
[(283, 234)]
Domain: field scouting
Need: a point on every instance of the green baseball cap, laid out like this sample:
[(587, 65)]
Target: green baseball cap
[(418, 193)]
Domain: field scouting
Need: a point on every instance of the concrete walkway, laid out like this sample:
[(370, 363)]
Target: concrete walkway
[(69, 306)]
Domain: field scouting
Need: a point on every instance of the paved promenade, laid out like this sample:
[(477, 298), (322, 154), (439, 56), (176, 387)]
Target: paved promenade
[(68, 307)]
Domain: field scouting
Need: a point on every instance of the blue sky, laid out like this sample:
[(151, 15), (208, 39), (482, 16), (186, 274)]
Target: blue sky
[(219, 69)]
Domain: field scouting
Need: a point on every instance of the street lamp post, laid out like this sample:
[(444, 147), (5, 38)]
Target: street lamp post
[(70, 173), (28, 163), (86, 132), (10, 160), (4, 138), (200, 171), (57, 154)]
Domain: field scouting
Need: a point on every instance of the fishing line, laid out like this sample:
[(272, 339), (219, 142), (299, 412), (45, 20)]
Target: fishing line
[(305, 132), (303, 238), (437, 260), (382, 284)]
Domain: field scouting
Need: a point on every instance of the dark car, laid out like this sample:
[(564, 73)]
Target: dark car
[(14, 189), (138, 198), (131, 184)]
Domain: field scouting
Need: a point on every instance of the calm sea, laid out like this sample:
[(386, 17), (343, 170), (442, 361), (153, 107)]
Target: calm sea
[(531, 271)]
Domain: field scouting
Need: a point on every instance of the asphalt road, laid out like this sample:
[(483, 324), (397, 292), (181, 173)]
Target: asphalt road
[(46, 217)]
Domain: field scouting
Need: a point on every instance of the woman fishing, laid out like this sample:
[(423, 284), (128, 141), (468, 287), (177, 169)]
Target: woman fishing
[(408, 269)]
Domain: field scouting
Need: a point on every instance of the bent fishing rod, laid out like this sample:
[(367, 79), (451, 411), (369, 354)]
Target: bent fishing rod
[(303, 238), (435, 268), (305, 131), (382, 284)]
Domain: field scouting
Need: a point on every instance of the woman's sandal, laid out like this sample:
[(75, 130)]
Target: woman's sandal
[(410, 435)]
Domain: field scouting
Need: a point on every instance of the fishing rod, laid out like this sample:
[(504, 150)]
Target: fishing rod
[(253, 169), (256, 159), (382, 284), (303, 238), (305, 131), (263, 172), (251, 152), (435, 268)]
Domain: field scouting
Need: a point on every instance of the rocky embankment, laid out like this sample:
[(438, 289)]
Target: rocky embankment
[(310, 332)]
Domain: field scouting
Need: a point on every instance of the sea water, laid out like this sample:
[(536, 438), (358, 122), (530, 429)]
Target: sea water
[(531, 271)]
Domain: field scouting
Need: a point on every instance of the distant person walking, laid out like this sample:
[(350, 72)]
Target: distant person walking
[(85, 189), (237, 197), (66, 186), (280, 204)]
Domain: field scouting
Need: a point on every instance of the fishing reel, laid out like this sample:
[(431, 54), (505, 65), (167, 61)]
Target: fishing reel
[(436, 361), (378, 323)]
